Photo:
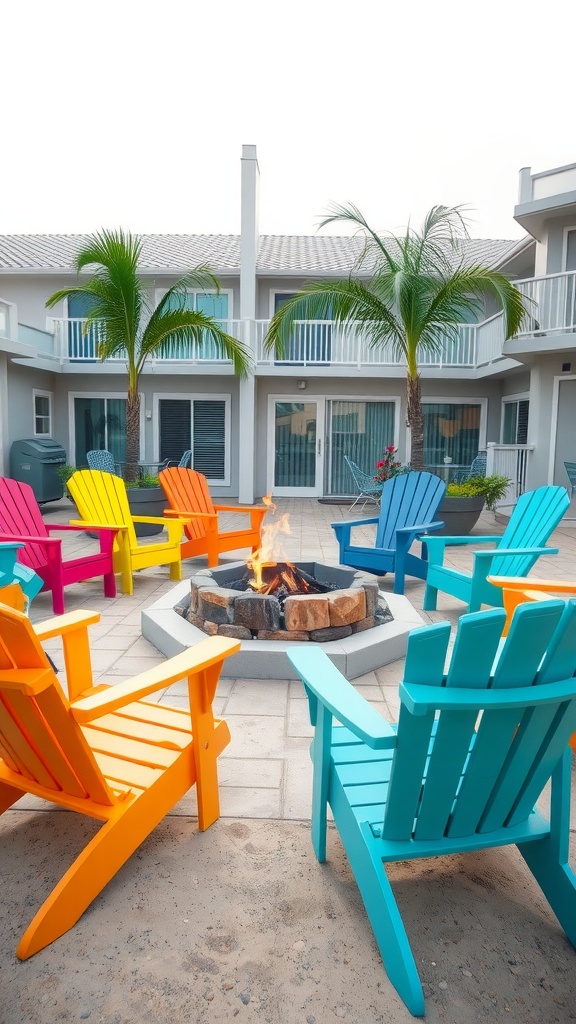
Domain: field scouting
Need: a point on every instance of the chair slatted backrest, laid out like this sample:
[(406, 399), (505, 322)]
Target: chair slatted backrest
[(535, 517), (101, 499), (408, 500), (458, 772), (39, 739), (20, 515), (187, 491), (570, 468), (100, 458)]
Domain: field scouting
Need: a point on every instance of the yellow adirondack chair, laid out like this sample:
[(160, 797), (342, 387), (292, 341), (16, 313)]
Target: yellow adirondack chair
[(101, 500), (105, 752)]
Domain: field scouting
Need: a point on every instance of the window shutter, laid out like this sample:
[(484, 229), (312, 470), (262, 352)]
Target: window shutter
[(175, 427), (208, 440), (522, 430)]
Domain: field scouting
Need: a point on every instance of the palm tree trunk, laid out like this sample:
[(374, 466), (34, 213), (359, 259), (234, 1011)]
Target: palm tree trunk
[(415, 421), (132, 436)]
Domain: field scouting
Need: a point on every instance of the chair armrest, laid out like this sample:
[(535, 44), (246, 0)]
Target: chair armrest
[(28, 539), (98, 526), (420, 527), (67, 623), (355, 522), (437, 545), (510, 552), (78, 526), (173, 527), (529, 583), (171, 513), (241, 508), (193, 661), (322, 679)]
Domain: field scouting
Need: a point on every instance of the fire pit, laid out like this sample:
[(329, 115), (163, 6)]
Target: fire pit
[(302, 602), (270, 604)]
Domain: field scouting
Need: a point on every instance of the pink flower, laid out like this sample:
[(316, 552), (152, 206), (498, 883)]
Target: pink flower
[(379, 465), (390, 448)]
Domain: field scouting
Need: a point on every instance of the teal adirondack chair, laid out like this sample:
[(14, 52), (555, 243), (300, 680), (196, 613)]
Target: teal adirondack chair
[(443, 781), (535, 516), (408, 510), (12, 571)]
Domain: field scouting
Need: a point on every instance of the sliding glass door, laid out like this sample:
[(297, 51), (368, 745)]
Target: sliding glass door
[(311, 438)]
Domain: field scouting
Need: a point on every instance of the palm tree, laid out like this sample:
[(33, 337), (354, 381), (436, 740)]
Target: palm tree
[(133, 327), (417, 293)]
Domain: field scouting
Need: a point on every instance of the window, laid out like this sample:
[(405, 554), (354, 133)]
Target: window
[(216, 306), (515, 422), (99, 423), (199, 424), (310, 342), (42, 413), (451, 431)]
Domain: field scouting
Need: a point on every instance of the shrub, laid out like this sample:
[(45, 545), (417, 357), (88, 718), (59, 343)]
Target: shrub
[(491, 488)]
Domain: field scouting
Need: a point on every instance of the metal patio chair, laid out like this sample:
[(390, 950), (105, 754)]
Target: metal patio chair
[(368, 488)]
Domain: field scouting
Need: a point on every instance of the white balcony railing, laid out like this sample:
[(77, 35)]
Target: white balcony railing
[(511, 460), (550, 304), (72, 343)]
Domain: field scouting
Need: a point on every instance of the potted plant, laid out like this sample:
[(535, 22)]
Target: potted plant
[(463, 503), (146, 498)]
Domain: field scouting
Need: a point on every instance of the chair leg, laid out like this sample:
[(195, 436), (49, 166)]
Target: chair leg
[(109, 585), (384, 917), (557, 881), (176, 570), (8, 796), (430, 599), (104, 856)]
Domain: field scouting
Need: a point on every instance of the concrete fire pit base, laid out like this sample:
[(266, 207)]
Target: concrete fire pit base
[(266, 659)]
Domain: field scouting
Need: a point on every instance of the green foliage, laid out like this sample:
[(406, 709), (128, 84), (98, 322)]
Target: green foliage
[(65, 472), (409, 292), (144, 480), (133, 327), (491, 488)]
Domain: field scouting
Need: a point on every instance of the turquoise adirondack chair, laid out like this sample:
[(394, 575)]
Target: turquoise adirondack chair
[(535, 516), (12, 571), (444, 781), (408, 510)]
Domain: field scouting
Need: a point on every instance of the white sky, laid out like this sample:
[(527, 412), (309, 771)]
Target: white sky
[(133, 114)]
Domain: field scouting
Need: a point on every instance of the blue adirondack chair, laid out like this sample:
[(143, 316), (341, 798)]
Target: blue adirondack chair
[(12, 571), (535, 516), (442, 782), (409, 505)]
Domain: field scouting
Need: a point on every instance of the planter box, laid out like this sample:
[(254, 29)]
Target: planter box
[(460, 515), (146, 501)]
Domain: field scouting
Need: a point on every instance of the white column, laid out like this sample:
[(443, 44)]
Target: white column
[(248, 255)]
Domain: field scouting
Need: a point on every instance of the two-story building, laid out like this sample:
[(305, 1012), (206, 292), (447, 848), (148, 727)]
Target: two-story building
[(287, 428)]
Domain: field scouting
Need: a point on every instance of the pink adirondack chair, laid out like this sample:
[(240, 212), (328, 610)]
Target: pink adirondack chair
[(21, 520)]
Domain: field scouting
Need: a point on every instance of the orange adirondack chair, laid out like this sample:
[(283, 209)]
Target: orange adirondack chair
[(105, 752), (518, 590), (189, 498)]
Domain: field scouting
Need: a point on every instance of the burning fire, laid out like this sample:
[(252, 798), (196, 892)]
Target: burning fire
[(269, 554)]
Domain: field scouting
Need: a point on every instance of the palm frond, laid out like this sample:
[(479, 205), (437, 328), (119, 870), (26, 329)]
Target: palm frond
[(171, 327)]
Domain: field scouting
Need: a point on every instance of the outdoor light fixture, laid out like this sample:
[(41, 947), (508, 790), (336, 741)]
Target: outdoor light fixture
[(301, 384)]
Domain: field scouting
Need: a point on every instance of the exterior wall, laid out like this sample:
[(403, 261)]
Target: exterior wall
[(516, 385), (555, 242), (541, 421), (151, 387), (21, 382), (355, 388), (565, 447)]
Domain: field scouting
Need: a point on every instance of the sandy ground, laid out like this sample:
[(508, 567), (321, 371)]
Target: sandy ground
[(242, 922)]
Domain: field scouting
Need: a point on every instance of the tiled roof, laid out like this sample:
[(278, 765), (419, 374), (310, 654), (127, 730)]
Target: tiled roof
[(289, 254)]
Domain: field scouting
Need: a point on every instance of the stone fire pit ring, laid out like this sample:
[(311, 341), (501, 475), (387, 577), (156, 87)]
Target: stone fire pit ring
[(354, 655), (350, 603)]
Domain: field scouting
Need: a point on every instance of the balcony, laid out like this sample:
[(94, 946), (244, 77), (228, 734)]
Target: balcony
[(550, 304), (316, 344)]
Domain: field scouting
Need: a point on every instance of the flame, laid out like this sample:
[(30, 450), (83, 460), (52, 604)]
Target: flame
[(270, 551)]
